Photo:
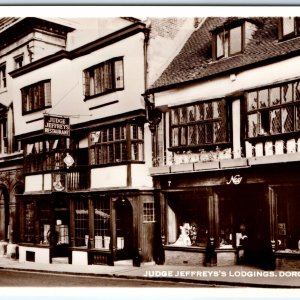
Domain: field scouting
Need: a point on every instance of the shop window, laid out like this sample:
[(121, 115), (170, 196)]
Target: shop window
[(226, 223), (102, 223), (45, 221), (228, 42), (2, 76), (288, 230), (200, 125), (29, 222), (36, 97), (187, 220), (110, 145), (148, 212), (103, 78), (81, 223), (273, 110)]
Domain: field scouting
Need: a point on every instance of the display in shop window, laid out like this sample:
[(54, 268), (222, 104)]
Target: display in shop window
[(188, 235)]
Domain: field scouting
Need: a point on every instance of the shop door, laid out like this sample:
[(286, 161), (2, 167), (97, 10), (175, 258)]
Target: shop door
[(251, 220), (124, 229), (61, 218)]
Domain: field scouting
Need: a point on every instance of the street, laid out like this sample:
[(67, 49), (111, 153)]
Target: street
[(10, 278)]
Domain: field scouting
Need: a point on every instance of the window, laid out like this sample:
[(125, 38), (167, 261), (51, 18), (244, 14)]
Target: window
[(229, 42), (3, 76), (81, 223), (29, 222), (187, 220), (102, 223), (110, 145), (103, 78), (36, 97), (199, 125), (288, 27), (274, 110), (3, 135), (19, 60), (47, 154), (148, 212)]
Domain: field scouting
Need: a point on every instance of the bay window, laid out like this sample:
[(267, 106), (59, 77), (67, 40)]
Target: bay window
[(199, 125), (117, 144), (36, 96), (104, 77), (274, 110)]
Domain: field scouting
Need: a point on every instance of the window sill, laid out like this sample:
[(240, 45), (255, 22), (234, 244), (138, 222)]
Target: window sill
[(187, 248), (117, 164), (86, 98), (24, 113)]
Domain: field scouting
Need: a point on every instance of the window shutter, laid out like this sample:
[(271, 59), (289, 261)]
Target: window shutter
[(86, 83)]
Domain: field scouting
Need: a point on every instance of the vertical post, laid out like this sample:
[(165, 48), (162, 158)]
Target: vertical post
[(113, 238), (72, 222), (211, 259), (273, 214), (129, 153), (91, 243)]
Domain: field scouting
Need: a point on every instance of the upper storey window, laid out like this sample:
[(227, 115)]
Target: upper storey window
[(228, 42), (274, 110), (2, 76), (104, 78), (198, 125), (288, 28), (36, 96)]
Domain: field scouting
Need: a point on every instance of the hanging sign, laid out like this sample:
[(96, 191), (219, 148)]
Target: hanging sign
[(54, 125)]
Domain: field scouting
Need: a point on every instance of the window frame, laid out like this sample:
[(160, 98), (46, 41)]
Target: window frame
[(126, 144), (88, 77), (17, 60), (267, 110), (293, 34), (227, 31), (223, 119), (39, 103), (3, 76)]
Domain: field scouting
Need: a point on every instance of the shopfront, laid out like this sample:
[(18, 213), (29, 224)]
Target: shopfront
[(227, 217)]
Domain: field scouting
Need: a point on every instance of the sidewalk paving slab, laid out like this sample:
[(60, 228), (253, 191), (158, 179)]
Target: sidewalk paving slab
[(238, 275)]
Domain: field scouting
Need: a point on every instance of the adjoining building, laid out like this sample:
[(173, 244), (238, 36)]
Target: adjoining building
[(225, 118), (80, 120)]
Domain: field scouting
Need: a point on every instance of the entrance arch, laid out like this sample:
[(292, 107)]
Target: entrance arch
[(124, 229)]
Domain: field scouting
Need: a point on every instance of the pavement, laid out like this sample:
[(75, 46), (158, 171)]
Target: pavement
[(237, 276)]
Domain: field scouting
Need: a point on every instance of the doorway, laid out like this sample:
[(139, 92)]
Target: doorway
[(124, 229)]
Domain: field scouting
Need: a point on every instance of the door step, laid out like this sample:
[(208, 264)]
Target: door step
[(125, 262), (60, 260)]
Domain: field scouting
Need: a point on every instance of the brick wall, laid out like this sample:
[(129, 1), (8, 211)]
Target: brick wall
[(183, 258)]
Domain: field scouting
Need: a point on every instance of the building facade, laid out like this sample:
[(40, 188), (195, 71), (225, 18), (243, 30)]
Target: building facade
[(85, 145), (226, 145)]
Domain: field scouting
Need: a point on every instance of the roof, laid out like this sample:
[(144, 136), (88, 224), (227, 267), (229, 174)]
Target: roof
[(5, 22), (194, 61)]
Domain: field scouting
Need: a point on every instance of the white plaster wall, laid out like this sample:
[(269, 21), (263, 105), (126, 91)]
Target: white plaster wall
[(140, 176), (34, 183), (42, 255), (257, 77), (79, 258), (67, 86), (109, 177), (47, 182)]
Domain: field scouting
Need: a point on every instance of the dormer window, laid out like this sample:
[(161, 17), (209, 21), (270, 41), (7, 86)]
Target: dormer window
[(229, 42), (288, 28)]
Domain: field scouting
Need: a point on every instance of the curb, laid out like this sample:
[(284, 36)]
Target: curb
[(157, 279)]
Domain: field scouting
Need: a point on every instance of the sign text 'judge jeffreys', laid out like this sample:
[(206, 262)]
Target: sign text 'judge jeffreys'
[(55, 125)]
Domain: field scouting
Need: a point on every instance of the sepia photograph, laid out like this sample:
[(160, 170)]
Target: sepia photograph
[(150, 150)]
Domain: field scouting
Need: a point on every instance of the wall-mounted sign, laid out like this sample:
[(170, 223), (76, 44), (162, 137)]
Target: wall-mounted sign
[(54, 125), (235, 179)]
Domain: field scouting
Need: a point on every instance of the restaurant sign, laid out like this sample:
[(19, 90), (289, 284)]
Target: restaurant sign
[(56, 125)]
